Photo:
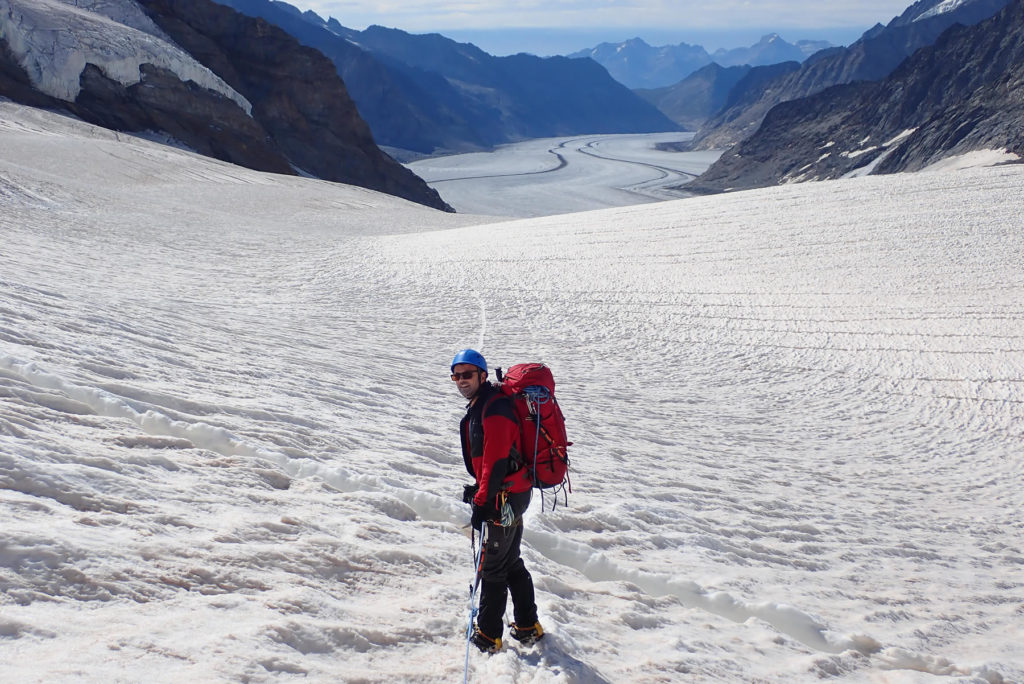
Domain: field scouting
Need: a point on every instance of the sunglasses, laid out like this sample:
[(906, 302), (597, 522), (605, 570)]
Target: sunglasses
[(464, 375)]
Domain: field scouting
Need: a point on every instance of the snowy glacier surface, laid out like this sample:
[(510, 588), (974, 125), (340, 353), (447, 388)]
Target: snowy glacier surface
[(228, 446)]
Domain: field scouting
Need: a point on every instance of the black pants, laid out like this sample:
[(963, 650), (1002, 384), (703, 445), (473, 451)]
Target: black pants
[(504, 573)]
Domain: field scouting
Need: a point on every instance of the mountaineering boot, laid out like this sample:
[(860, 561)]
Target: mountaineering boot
[(526, 635), (484, 642)]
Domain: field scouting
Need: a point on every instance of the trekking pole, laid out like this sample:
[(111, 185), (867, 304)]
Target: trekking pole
[(478, 562)]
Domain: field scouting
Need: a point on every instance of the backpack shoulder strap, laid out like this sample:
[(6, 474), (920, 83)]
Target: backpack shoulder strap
[(495, 396)]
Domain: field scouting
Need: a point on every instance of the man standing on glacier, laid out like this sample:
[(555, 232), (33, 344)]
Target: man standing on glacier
[(490, 448)]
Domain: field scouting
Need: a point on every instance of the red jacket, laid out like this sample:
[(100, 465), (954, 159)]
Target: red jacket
[(491, 446)]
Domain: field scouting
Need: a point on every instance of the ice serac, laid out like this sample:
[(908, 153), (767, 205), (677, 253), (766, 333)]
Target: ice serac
[(53, 41), (959, 96)]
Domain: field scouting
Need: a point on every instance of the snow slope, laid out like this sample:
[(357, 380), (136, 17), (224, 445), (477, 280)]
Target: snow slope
[(228, 449)]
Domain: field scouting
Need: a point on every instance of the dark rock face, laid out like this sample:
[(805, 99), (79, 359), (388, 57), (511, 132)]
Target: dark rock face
[(697, 97), (963, 94), (208, 122), (430, 94), (295, 92), (409, 111), (873, 57), (759, 83), (15, 83)]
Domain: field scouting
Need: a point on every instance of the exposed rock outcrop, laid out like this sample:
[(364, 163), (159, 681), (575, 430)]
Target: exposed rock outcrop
[(404, 111), (161, 101)]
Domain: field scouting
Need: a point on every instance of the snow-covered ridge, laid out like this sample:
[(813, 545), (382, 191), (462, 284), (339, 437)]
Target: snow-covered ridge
[(942, 8), (54, 41)]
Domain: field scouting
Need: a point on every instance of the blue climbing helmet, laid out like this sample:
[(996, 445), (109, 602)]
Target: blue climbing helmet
[(470, 356)]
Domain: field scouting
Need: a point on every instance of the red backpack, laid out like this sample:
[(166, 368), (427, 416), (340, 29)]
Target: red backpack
[(544, 442)]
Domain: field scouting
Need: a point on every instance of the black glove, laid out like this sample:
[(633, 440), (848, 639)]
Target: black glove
[(481, 514), (468, 492)]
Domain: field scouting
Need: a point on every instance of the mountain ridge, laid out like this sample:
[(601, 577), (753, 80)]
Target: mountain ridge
[(641, 66), (874, 56), (964, 93)]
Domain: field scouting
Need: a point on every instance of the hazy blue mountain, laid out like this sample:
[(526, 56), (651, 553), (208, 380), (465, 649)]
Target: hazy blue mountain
[(404, 111), (636, 64), (771, 49), (639, 65), (697, 97), (428, 93)]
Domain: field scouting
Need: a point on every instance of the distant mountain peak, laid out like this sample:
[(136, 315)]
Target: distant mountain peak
[(636, 64), (310, 15)]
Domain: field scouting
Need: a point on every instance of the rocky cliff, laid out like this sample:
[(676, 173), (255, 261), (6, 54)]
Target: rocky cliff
[(406, 111)]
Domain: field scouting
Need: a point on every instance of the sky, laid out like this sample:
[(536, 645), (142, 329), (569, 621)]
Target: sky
[(559, 26)]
